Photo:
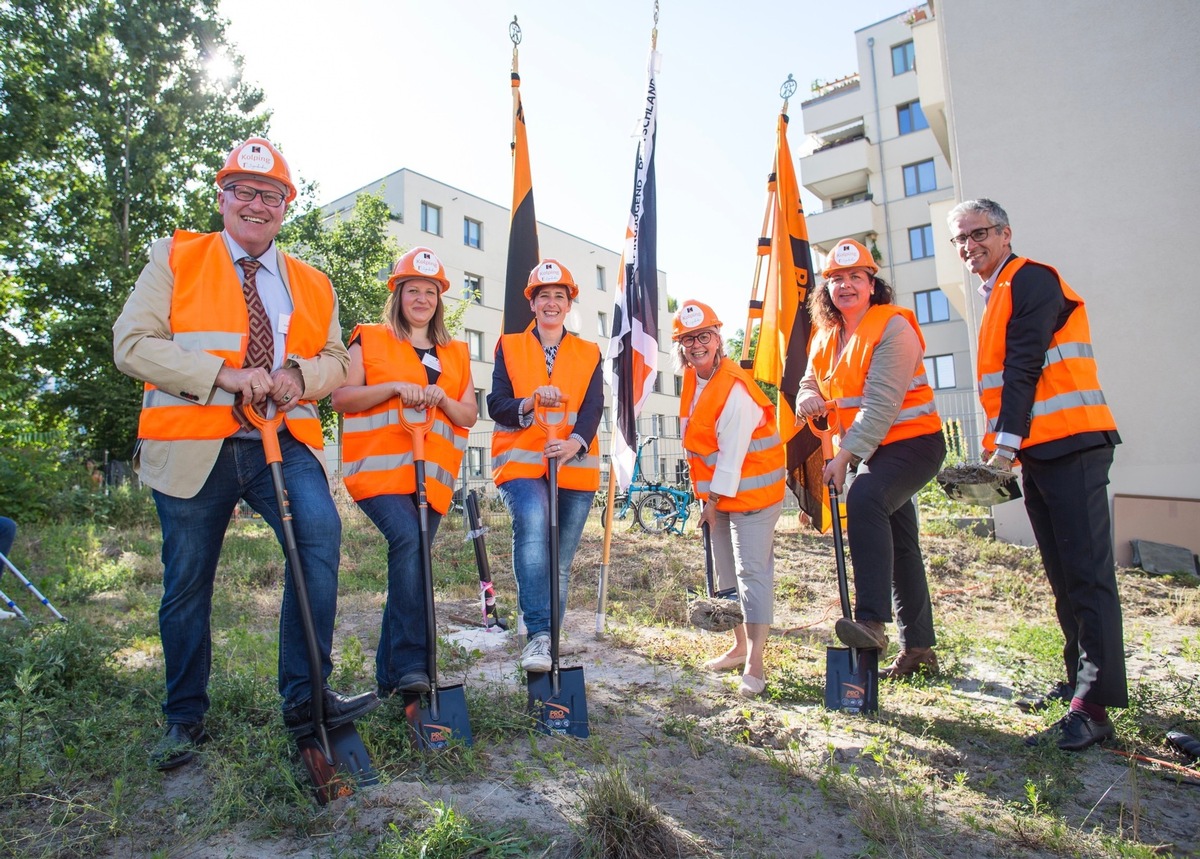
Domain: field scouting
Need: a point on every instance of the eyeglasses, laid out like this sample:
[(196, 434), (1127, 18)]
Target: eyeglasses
[(975, 235), (247, 194), (703, 338)]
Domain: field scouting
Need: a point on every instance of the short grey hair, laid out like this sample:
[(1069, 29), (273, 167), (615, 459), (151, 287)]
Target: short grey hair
[(681, 362), (990, 209)]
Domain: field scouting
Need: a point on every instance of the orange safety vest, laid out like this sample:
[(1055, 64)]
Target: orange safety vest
[(376, 449), (842, 378), (518, 453), (208, 312), (1067, 399), (763, 472)]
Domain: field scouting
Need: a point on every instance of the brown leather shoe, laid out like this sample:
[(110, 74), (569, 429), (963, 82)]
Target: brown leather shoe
[(914, 660), (864, 634)]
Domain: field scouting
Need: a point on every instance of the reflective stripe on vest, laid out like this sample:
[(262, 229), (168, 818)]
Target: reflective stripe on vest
[(843, 377), (376, 449), (517, 452), (761, 482), (208, 313), (1067, 399)]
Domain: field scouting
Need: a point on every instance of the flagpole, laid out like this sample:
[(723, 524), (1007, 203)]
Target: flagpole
[(522, 228), (631, 261)]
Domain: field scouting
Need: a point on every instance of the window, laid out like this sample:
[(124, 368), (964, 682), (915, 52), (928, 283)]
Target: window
[(919, 178), (920, 241), (605, 420), (600, 278), (602, 324), (932, 306), (472, 233), (904, 58), (476, 457), (431, 218), (911, 117), (481, 402), (472, 288), (679, 386), (940, 370), (475, 344), (658, 382)]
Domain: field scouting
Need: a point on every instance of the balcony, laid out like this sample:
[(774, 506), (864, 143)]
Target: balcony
[(854, 221), (838, 170), (837, 105)]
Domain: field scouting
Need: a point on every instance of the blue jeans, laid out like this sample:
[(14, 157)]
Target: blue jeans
[(193, 531), (402, 632), (528, 501)]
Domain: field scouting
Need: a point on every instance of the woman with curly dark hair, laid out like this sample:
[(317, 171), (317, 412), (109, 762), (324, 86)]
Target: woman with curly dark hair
[(868, 357)]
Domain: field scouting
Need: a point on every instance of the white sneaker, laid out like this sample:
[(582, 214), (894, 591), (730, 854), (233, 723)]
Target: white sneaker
[(536, 655)]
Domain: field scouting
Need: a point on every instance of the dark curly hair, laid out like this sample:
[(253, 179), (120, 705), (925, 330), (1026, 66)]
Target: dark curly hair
[(825, 315)]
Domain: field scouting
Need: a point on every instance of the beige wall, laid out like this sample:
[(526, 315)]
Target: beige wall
[(1081, 118)]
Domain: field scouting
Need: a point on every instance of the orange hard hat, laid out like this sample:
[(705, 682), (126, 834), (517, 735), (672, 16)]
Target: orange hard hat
[(691, 316), (550, 272), (849, 254), (258, 157), (419, 262)]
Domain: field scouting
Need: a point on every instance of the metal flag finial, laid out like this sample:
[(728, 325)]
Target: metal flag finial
[(788, 89), (514, 32)]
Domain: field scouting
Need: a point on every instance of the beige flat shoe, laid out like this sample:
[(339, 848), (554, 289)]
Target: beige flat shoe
[(751, 686), (724, 663)]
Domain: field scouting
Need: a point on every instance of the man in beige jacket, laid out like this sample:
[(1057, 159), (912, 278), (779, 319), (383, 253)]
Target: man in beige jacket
[(214, 321)]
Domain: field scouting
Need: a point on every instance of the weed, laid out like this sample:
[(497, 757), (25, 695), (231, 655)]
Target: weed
[(619, 821), (450, 835)]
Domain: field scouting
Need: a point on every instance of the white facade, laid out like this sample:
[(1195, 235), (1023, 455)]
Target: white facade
[(881, 177), (452, 222), (1079, 117)]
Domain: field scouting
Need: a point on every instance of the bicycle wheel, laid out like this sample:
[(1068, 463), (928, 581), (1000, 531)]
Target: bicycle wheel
[(656, 512)]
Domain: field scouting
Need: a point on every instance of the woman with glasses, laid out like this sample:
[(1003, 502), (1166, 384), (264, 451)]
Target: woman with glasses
[(736, 463), (867, 356), (406, 361)]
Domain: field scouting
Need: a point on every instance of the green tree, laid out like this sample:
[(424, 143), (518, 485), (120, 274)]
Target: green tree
[(733, 349), (111, 131)]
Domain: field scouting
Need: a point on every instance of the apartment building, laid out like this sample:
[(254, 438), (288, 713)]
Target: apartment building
[(470, 235), (875, 164)]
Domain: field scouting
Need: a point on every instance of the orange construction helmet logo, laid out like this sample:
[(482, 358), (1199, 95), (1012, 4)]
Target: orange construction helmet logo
[(849, 254), (550, 272), (692, 315), (419, 262), (258, 157)]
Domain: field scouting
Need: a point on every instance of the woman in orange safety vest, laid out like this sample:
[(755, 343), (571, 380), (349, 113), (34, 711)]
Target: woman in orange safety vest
[(867, 356), (736, 464), (547, 363), (407, 361)]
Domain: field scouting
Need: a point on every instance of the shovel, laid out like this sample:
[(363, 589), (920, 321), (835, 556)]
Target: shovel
[(487, 592), (851, 674), (721, 611), (335, 758), (440, 715), (558, 697)]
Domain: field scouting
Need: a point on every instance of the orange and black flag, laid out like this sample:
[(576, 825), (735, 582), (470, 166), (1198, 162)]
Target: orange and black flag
[(522, 227), (781, 358)]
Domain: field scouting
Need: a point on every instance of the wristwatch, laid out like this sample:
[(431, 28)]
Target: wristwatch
[(1006, 453)]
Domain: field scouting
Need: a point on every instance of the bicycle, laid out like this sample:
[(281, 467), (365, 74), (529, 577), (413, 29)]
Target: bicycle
[(666, 509), (627, 500)]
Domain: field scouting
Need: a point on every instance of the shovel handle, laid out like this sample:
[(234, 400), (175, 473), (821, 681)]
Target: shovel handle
[(833, 424), (415, 426), (269, 429), (542, 414)]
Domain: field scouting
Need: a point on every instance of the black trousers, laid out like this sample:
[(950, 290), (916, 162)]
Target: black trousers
[(884, 546), (1067, 501)]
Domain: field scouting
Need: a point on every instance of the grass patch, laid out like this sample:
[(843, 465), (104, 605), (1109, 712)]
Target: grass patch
[(618, 821)]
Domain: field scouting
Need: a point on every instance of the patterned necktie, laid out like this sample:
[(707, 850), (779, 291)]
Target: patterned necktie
[(260, 351)]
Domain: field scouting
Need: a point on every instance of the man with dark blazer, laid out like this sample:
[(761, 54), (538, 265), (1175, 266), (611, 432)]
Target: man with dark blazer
[(1041, 394)]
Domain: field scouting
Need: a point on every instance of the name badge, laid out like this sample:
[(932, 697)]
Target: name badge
[(431, 361), (285, 320)]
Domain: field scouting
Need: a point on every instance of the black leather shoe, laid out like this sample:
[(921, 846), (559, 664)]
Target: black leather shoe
[(178, 745), (414, 681), (339, 709), (1060, 691), (1074, 732)]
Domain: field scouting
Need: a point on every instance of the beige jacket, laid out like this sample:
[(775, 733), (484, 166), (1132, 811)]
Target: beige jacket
[(143, 348)]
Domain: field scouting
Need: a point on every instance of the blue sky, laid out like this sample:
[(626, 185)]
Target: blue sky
[(362, 88)]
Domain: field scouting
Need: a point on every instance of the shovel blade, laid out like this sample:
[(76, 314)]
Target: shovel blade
[(436, 723), (564, 714), (852, 684), (351, 767)]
